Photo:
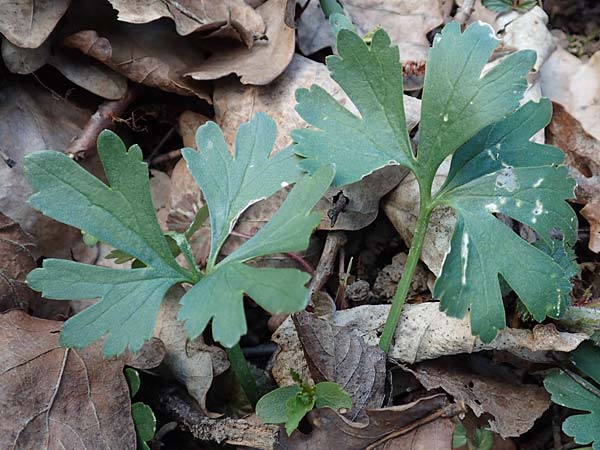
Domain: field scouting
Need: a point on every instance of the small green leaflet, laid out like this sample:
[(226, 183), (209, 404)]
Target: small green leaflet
[(495, 168), (145, 424), (290, 404), (503, 6), (218, 296), (572, 391), (121, 215), (231, 184)]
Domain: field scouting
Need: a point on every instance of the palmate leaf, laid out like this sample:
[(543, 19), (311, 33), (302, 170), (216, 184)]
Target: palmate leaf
[(495, 168), (219, 295), (121, 215), (231, 184), (575, 392)]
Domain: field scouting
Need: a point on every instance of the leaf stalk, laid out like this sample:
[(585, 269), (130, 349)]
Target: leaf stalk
[(243, 373), (425, 209)]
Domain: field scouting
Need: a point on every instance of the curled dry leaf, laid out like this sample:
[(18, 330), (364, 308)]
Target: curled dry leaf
[(332, 430), (191, 362), (207, 16), (235, 104), (74, 398), (150, 54), (435, 435), (567, 80), (424, 332), (336, 354), (260, 64), (487, 388), (583, 157), (17, 259), (83, 71), (33, 119), (27, 23)]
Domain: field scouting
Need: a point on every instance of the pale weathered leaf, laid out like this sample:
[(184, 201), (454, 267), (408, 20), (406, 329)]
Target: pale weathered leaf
[(75, 398)]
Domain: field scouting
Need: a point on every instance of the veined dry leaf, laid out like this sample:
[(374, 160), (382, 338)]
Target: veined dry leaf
[(431, 436), (332, 430), (195, 15), (150, 54), (336, 354), (583, 157), (191, 362), (424, 332), (17, 259), (54, 397), (33, 119), (260, 64), (486, 388), (27, 23), (81, 70)]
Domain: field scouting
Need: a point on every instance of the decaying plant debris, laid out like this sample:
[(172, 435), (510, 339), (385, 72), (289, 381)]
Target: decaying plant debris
[(288, 149)]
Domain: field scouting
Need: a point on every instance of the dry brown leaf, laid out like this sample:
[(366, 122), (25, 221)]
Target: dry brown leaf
[(33, 119), (567, 80), (17, 259), (27, 23), (54, 397), (336, 354), (195, 15), (81, 70), (260, 64), (487, 388), (431, 436), (424, 332), (583, 156), (150, 54), (331, 430), (191, 362)]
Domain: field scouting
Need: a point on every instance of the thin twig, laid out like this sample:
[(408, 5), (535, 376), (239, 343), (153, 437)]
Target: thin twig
[(166, 157), (85, 144), (325, 268)]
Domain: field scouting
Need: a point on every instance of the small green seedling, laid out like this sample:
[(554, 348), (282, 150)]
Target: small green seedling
[(576, 392), (143, 416), (496, 169), (290, 404), (482, 439)]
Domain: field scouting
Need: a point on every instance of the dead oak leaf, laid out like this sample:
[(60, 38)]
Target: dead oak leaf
[(150, 54), (583, 158), (486, 388), (336, 354), (196, 16), (54, 397), (260, 64), (27, 23)]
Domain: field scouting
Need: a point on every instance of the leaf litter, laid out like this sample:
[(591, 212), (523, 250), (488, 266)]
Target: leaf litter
[(177, 49)]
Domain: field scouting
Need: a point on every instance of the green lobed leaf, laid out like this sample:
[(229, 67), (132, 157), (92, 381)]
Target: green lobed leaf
[(500, 171), (495, 168), (144, 421), (133, 380), (271, 408), (371, 75), (123, 216), (572, 391), (219, 295), (331, 395), (296, 408), (498, 5), (459, 436), (231, 184)]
